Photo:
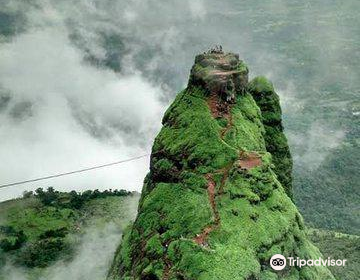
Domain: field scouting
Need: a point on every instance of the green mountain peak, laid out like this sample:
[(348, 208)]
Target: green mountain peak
[(216, 203)]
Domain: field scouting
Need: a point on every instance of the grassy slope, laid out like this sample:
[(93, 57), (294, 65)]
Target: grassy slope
[(256, 217), (99, 212), (63, 228)]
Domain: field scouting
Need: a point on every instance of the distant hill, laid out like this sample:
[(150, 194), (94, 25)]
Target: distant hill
[(43, 231), (328, 196)]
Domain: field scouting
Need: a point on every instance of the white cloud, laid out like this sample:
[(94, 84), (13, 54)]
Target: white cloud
[(197, 8), (86, 264), (42, 68), (316, 144)]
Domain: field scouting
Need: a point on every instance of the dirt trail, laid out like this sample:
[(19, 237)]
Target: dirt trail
[(249, 160), (218, 109), (213, 105), (224, 72), (211, 193), (246, 161), (201, 238)]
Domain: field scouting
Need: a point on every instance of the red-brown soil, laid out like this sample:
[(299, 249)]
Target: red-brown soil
[(202, 237), (249, 160), (218, 108)]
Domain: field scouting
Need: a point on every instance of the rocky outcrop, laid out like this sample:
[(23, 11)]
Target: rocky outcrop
[(220, 73), (212, 205)]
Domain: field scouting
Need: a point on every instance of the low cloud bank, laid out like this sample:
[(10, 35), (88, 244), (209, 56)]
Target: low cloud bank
[(91, 261)]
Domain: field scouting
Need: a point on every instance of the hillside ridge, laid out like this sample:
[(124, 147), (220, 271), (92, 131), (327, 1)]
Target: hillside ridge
[(216, 204)]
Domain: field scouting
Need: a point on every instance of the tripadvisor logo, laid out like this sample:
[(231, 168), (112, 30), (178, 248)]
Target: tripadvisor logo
[(278, 262)]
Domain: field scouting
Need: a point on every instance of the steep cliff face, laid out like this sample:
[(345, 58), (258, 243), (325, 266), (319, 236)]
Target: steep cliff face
[(213, 205), (268, 101)]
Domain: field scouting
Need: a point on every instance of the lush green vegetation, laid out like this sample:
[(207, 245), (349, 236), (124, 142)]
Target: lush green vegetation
[(98, 212), (276, 143), (339, 246), (203, 214), (44, 227), (73, 199), (335, 182)]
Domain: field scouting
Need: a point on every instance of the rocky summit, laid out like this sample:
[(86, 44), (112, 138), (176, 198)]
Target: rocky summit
[(216, 203), (220, 73)]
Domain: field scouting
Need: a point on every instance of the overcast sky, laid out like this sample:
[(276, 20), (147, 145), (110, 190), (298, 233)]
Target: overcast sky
[(85, 82)]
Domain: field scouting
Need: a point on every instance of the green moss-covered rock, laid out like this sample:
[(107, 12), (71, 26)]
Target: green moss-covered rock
[(218, 72), (212, 206), (263, 93)]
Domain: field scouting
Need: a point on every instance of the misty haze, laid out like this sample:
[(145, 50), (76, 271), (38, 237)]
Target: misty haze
[(86, 83)]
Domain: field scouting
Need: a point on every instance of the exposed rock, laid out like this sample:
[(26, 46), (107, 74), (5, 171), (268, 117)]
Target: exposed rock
[(220, 73)]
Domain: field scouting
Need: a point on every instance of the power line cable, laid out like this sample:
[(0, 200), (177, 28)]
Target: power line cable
[(73, 172)]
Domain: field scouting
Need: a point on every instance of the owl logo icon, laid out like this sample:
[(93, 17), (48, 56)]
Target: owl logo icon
[(278, 262)]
